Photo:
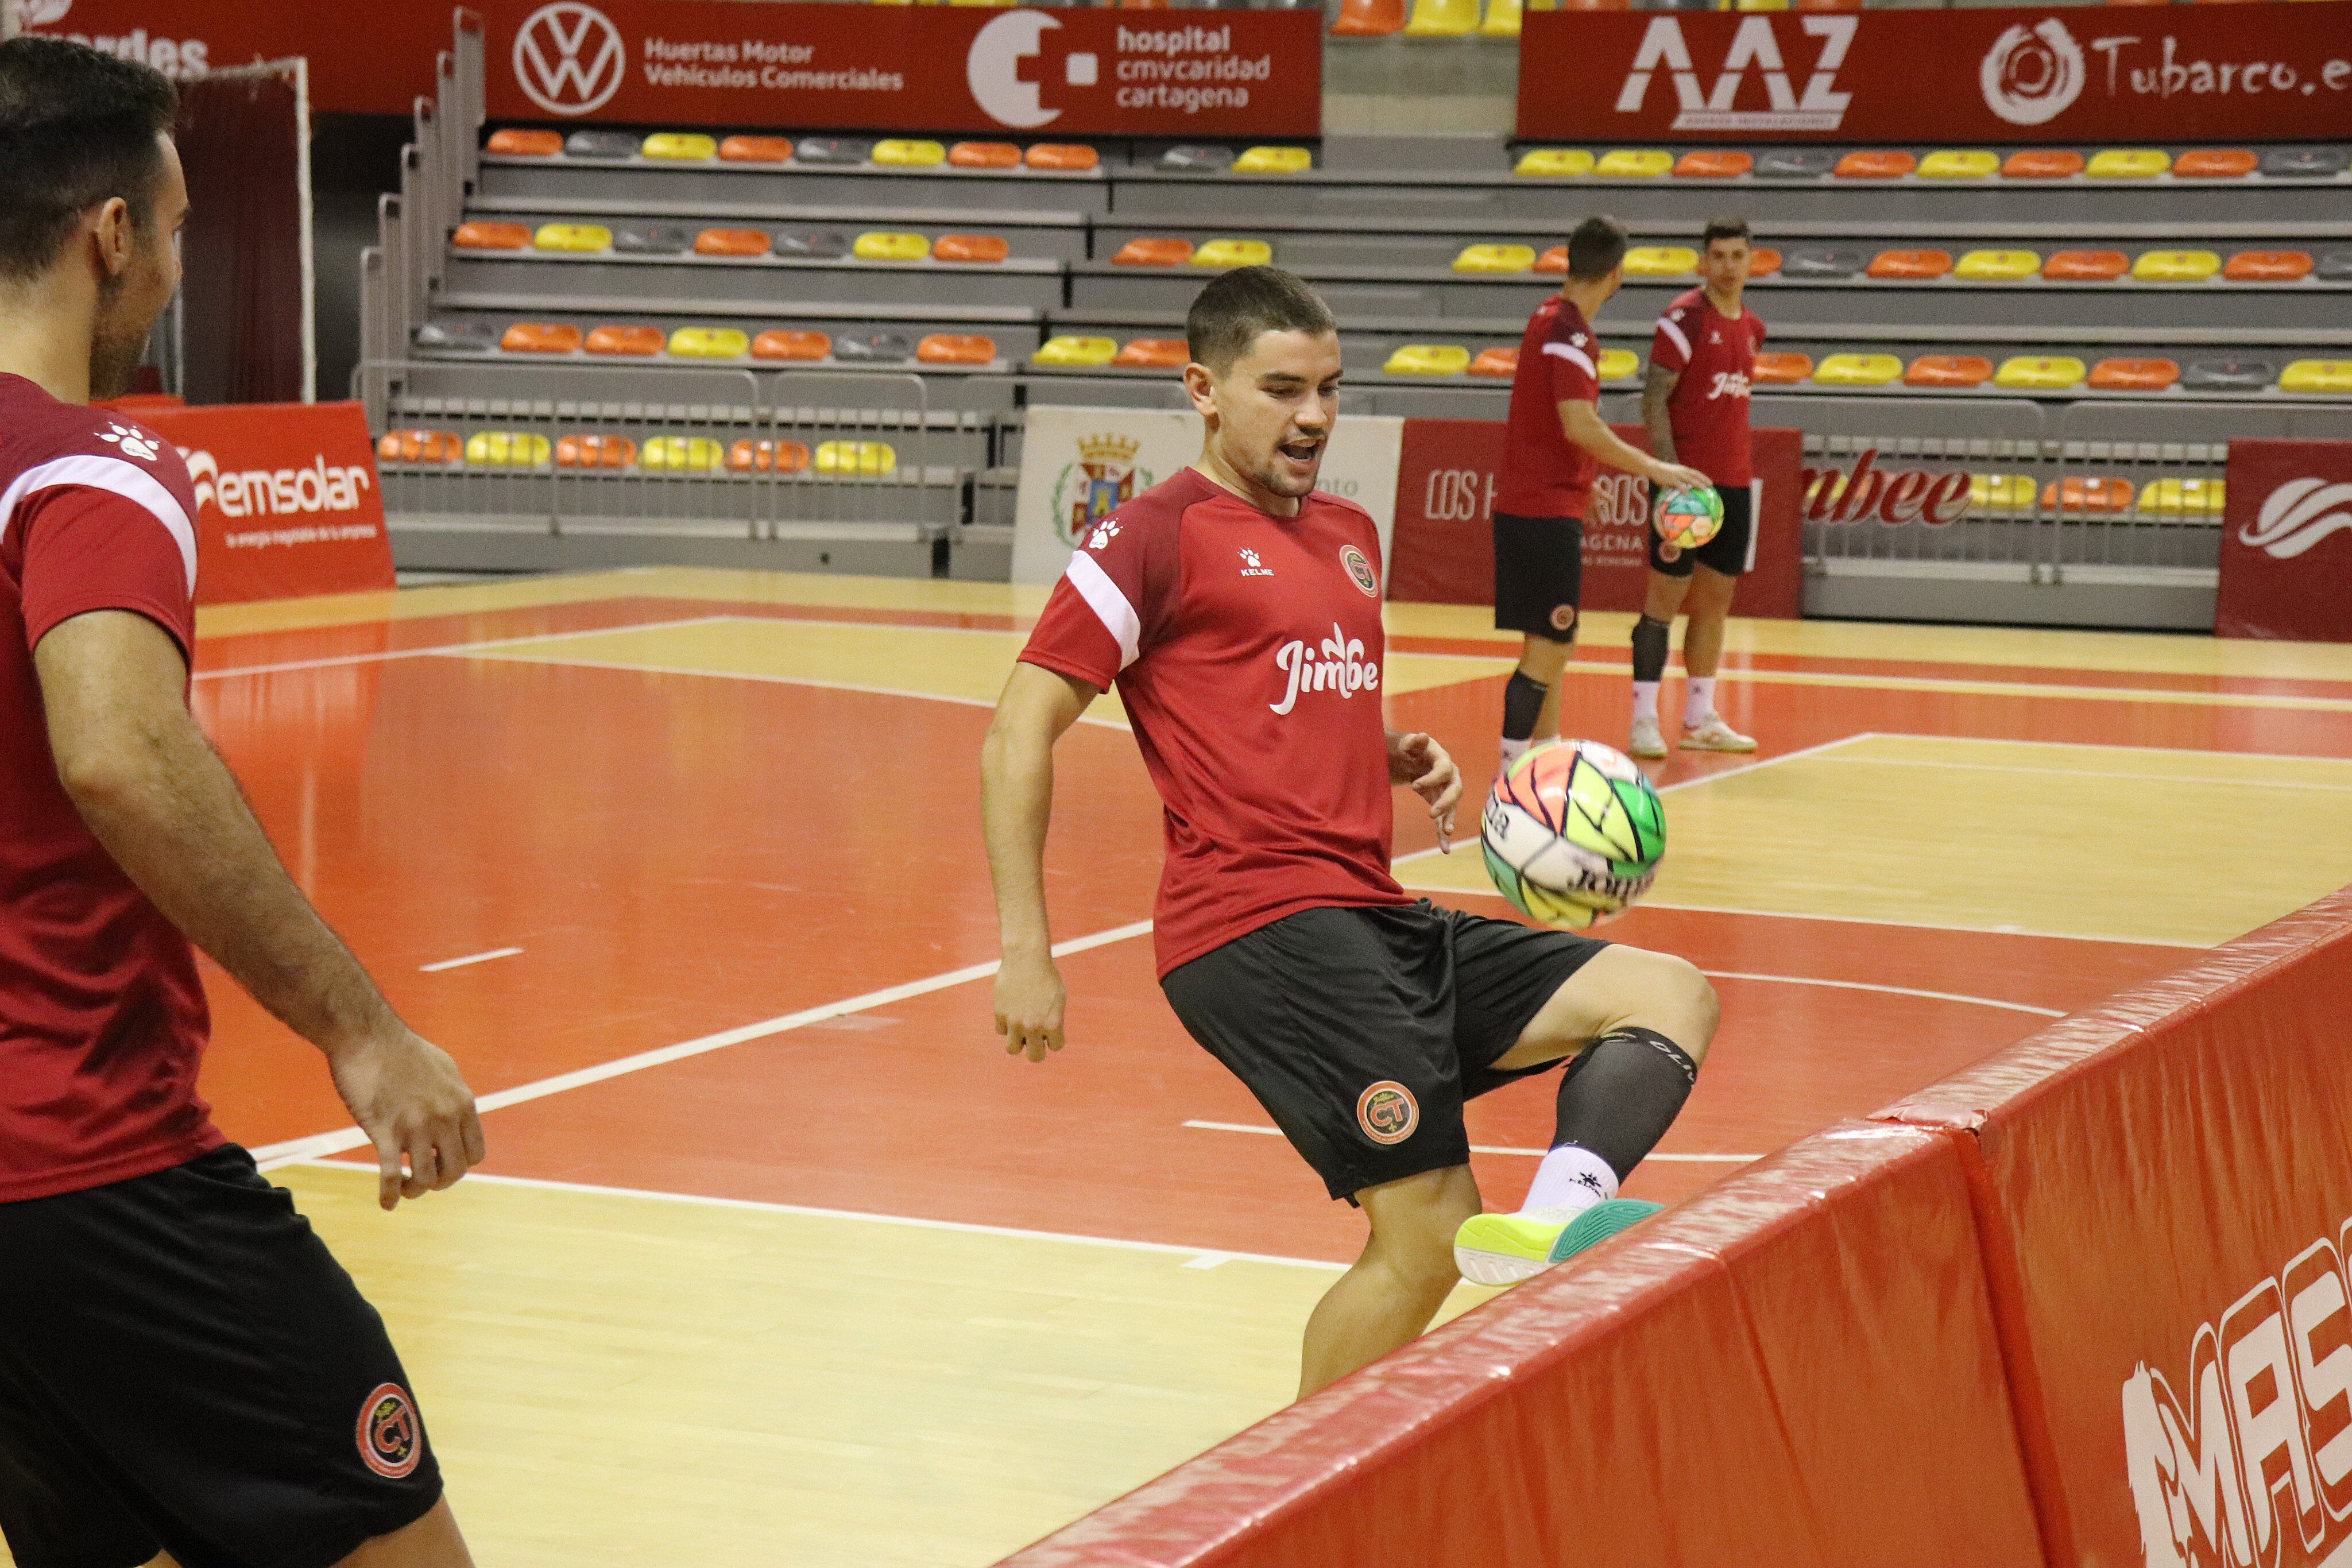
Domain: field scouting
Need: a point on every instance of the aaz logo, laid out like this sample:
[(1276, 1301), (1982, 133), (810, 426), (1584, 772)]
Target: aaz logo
[(569, 58), (1820, 108)]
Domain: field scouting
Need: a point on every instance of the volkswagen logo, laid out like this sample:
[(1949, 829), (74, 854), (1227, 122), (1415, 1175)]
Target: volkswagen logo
[(568, 57)]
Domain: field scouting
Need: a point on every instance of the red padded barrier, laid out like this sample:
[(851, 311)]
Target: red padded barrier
[(2163, 1185), (1798, 1366)]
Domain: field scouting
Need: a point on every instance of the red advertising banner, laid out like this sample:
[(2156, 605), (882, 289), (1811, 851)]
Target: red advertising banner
[(1443, 548), (2073, 76), (287, 500), (1084, 72), (2287, 543)]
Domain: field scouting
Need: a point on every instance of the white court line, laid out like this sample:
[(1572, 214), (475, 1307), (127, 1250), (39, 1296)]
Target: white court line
[(1195, 1257), (468, 958), (2103, 773), (385, 656), (1496, 1148), (1890, 990)]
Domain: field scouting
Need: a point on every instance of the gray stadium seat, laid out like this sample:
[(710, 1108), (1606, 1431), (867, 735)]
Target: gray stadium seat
[(601, 144), (814, 244), (873, 347), (656, 241), (2305, 162), (1197, 160), (456, 337), (2335, 265), (832, 149), (1814, 261), (1795, 162), (2228, 375)]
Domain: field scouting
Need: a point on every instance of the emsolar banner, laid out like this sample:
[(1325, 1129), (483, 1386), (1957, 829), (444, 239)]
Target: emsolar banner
[(2287, 543), (2072, 77)]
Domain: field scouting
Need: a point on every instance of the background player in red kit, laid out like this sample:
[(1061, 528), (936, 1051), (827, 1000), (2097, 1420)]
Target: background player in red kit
[(1695, 402), (1238, 609), (185, 1374), (1554, 443)]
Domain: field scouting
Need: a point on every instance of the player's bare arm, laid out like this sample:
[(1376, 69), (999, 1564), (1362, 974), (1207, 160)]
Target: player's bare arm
[(1657, 388), (1417, 760), (1584, 425), (1016, 773), (164, 805)]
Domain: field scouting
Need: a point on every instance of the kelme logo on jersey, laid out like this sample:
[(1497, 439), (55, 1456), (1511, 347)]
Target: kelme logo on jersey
[(1103, 479), (1387, 1112), (1338, 665), (392, 1440), (1360, 570)]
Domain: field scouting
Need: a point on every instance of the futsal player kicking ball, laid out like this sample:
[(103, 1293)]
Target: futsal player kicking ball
[(187, 1375), (1695, 404), (1238, 609), (1553, 447)]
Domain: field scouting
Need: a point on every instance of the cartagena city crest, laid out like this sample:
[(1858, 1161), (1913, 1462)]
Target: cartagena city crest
[(1103, 479)]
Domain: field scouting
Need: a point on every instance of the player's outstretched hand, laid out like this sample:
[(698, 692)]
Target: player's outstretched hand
[(411, 1101), (1676, 476), (1029, 1000), (1417, 760)]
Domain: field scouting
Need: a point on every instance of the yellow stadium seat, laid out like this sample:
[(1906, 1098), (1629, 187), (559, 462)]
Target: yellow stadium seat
[(1072, 351), (1660, 261), (682, 454), (1617, 364), (1858, 370), (1998, 266), (1553, 163), (1502, 19), (867, 459), (2039, 372), (508, 449), (1443, 19), (686, 146), (1234, 253), (1634, 164), (2176, 265), (1273, 160), (709, 343), (2129, 164), (1956, 165), (2184, 498), (878, 245), (2001, 492), (1428, 359), (898, 152), (572, 237), (1496, 258), (2317, 376)]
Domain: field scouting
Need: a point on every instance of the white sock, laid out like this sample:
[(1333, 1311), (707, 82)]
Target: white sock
[(1571, 1180), (1515, 749), (1645, 700), (1699, 701)]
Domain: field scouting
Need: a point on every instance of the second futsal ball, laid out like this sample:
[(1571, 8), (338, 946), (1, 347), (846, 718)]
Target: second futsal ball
[(1689, 518)]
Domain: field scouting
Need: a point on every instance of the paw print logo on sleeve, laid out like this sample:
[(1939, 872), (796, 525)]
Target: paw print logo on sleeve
[(130, 441)]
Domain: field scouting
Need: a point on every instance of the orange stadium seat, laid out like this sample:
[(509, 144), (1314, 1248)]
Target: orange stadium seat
[(1784, 370), (731, 242), (2042, 163), (1876, 165), (1722, 165), (1066, 157), (766, 456), (627, 340), (595, 452), (1911, 263), (2215, 163), (2089, 495), (541, 338), (1828, 5), (1154, 354), (2085, 265), (975, 248), (1142, 252), (755, 150), (984, 156), (784, 344), (1368, 18), (526, 143), (491, 236), (2268, 266), (1948, 371), (1499, 362), (956, 349), (1763, 261), (420, 447), (2134, 375), (1553, 260)]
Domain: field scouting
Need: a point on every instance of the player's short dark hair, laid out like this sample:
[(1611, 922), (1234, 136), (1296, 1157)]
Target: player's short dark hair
[(1595, 248), (1722, 228), (1229, 314), (78, 126)]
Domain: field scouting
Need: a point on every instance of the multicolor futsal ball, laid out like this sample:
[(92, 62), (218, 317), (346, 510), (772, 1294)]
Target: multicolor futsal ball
[(1688, 518), (1573, 833)]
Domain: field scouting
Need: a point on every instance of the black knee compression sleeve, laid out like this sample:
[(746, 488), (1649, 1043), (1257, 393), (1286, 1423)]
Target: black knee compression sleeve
[(1523, 700), (1649, 649), (1622, 1095)]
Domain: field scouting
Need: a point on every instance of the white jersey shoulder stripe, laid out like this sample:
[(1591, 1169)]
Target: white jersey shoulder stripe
[(117, 477), (1110, 606), (1674, 333), (1574, 356)]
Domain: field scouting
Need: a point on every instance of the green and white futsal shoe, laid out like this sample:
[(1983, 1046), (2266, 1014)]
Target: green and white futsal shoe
[(1504, 1249)]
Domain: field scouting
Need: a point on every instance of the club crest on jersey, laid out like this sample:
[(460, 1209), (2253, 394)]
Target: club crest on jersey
[(1360, 572), (1388, 1112), (392, 1440), (1341, 668), (134, 443), (1252, 566)]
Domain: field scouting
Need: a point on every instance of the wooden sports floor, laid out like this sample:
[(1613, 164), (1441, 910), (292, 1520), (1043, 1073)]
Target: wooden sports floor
[(779, 1259)]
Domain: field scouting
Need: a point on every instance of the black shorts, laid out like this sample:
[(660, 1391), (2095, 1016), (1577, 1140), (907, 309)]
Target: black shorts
[(1539, 575), (1362, 1031), (1728, 552), (184, 1366)]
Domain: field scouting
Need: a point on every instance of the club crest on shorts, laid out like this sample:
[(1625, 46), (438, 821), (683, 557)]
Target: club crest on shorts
[(1387, 1112), (1563, 616), (392, 1440), (1360, 570)]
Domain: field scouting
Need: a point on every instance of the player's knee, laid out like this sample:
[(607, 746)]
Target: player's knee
[(1671, 996)]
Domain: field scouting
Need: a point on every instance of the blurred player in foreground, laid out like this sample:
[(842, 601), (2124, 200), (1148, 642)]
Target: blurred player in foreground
[(1238, 609), (187, 1374)]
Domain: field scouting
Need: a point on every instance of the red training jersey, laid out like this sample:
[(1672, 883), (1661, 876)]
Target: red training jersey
[(102, 1020), (1715, 355), (1546, 475), (1247, 649)]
